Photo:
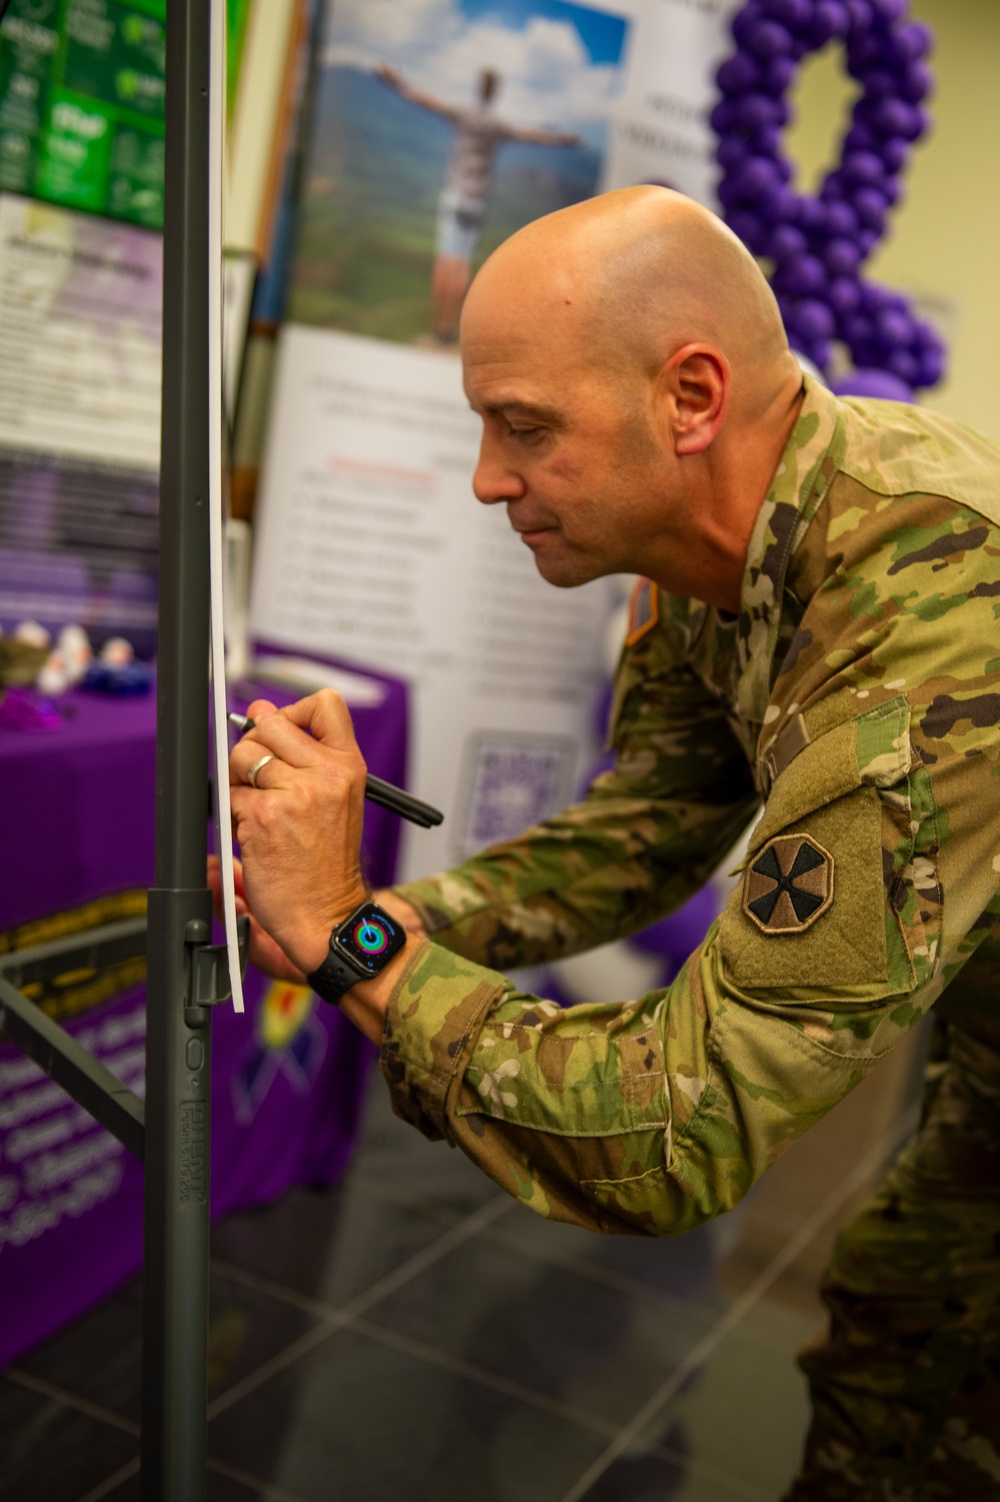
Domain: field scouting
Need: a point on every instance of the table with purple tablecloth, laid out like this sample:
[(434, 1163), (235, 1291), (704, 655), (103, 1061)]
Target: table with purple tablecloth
[(76, 831)]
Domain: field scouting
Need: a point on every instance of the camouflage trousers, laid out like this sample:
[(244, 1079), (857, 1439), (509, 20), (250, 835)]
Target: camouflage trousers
[(906, 1385)]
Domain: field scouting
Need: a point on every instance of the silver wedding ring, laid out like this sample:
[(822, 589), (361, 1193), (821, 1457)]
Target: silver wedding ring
[(257, 767)]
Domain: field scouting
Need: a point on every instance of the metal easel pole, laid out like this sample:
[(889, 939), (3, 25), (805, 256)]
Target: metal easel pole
[(175, 1323)]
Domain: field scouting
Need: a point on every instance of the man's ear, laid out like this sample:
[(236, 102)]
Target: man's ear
[(697, 380)]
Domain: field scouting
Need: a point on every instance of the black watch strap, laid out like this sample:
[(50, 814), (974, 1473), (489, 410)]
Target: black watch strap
[(333, 978)]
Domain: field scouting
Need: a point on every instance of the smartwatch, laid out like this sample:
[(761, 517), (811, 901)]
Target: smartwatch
[(360, 948)]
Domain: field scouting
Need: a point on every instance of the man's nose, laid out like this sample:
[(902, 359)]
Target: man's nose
[(494, 479)]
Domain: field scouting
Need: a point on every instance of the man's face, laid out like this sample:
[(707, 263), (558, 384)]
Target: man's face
[(572, 449)]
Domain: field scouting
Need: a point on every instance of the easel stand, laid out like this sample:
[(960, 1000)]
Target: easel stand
[(186, 974), (178, 1048)]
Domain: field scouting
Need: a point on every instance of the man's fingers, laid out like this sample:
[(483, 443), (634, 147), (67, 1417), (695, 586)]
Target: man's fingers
[(326, 717), (293, 732)]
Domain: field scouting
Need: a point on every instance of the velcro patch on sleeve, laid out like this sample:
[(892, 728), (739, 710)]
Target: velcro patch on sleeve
[(810, 910), (643, 611)]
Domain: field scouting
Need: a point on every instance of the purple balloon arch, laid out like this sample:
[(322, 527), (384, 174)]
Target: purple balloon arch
[(819, 244)]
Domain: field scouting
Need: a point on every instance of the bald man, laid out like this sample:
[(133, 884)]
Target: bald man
[(815, 627)]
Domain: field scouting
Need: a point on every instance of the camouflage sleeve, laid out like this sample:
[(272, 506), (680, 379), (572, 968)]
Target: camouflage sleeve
[(865, 889), (645, 837)]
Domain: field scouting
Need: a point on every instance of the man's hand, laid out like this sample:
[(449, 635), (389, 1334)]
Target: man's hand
[(266, 953), (299, 828)]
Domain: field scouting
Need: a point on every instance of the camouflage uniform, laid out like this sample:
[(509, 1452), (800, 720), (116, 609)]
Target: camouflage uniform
[(858, 693)]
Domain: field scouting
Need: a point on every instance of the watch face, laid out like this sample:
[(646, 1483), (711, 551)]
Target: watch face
[(370, 938)]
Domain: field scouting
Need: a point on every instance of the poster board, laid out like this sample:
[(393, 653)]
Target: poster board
[(79, 421), (82, 86)]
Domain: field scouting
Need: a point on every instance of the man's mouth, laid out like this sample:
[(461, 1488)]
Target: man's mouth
[(529, 534)]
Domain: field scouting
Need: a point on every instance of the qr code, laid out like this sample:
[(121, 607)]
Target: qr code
[(513, 782)]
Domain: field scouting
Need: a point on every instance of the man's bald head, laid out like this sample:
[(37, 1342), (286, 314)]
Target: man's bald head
[(636, 390), (631, 276)]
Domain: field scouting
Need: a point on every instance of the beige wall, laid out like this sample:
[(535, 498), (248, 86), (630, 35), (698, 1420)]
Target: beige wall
[(944, 242)]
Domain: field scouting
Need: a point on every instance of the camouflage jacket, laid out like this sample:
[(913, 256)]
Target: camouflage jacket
[(857, 694)]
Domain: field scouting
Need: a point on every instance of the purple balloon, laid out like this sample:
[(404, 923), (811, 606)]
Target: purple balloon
[(916, 83), (844, 296), (778, 75), (914, 41), (895, 152), (904, 365), (781, 112), (863, 53), (892, 189), (784, 168), (730, 152), (860, 138), (814, 320), (738, 74), (893, 329), (804, 275), (812, 216), (834, 187), (861, 16), (878, 84), (863, 169), (765, 142), (841, 220), (728, 192), (749, 228), (894, 117), (786, 242), (870, 207), (872, 383), (743, 24), (830, 19), (751, 112), (754, 178), (779, 204), (921, 123), (925, 336), (842, 258), (867, 240), (889, 10), (794, 14), (723, 117), (857, 332), (931, 365), (874, 297), (768, 39), (816, 350)]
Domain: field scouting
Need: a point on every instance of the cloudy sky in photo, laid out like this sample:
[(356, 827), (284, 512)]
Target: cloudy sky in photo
[(559, 62)]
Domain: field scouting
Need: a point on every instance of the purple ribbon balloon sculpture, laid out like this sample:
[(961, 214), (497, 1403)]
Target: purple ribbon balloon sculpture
[(819, 245)]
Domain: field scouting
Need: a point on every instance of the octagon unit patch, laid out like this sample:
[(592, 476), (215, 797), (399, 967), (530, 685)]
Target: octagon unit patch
[(788, 885)]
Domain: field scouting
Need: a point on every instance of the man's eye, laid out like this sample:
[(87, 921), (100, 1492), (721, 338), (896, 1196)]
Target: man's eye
[(526, 433)]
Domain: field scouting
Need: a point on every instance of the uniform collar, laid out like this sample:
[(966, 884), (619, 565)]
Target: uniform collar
[(800, 482)]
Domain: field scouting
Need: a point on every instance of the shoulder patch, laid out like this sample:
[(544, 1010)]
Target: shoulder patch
[(643, 611), (789, 885)]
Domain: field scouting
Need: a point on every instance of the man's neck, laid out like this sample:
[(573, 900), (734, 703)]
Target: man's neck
[(735, 484)]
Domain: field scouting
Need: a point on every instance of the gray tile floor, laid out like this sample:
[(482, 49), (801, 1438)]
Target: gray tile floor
[(413, 1336)]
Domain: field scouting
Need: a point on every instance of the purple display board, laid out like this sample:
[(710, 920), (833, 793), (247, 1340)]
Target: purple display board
[(76, 826)]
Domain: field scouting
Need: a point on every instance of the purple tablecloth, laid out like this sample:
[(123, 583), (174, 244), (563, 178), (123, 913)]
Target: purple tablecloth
[(76, 824)]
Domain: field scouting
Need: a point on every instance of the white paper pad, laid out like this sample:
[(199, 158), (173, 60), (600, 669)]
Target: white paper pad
[(217, 555)]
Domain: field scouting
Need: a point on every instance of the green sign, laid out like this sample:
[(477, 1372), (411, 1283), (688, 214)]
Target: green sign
[(81, 105)]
